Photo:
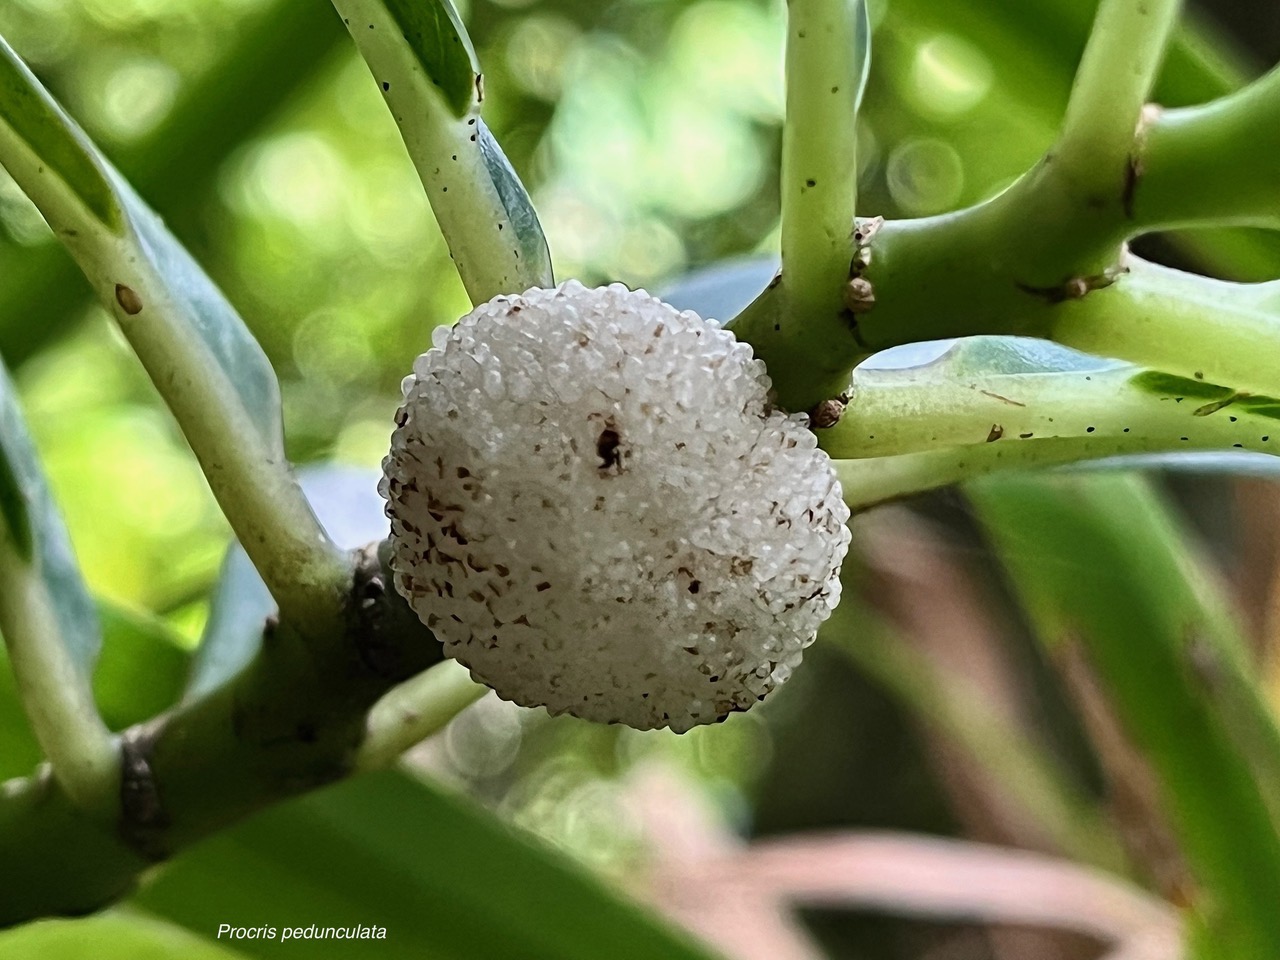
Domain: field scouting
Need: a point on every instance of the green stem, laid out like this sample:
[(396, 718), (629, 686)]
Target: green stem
[(172, 316), (413, 711), (1120, 407), (276, 51), (1215, 163), (83, 754), (826, 62), (1112, 83), (421, 57), (1203, 329), (867, 482), (50, 627)]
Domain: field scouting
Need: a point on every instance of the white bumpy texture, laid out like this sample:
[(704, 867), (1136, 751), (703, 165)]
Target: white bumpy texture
[(595, 510)]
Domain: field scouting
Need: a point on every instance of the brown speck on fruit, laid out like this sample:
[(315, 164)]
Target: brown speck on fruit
[(128, 299), (609, 448), (996, 433)]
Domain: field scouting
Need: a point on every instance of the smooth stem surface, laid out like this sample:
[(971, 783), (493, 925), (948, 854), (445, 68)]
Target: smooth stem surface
[(819, 162), (413, 711), (866, 483), (805, 341), (1214, 164), (56, 696), (1111, 87)]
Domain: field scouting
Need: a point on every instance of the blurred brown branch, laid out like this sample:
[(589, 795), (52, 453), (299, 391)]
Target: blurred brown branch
[(738, 895)]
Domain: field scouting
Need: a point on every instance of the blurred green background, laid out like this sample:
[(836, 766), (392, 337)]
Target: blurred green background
[(648, 134)]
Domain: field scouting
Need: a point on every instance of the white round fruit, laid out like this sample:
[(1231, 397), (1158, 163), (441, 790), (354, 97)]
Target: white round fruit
[(596, 510)]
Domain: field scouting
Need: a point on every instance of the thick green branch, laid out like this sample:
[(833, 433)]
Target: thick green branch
[(1214, 164), (294, 720), (1106, 410)]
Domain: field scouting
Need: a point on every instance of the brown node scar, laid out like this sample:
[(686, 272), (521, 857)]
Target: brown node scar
[(828, 412), (128, 299)]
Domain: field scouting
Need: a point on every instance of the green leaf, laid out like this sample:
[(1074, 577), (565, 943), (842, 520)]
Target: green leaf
[(114, 936), (347, 504), (446, 880), (435, 34), (1099, 562), (32, 114), (516, 207), (35, 531), (422, 60)]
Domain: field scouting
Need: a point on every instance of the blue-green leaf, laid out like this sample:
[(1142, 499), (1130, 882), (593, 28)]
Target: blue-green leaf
[(531, 243), (32, 114), (49, 623)]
